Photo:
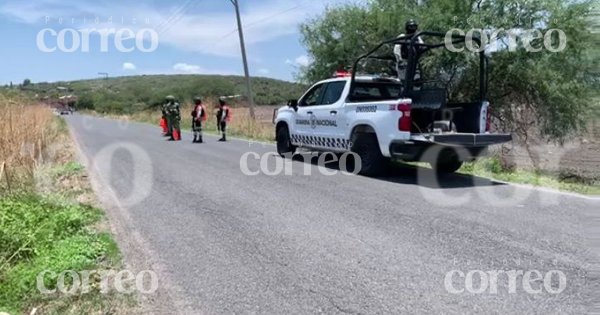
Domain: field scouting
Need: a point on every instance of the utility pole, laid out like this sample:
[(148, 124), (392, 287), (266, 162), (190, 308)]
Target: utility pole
[(244, 58)]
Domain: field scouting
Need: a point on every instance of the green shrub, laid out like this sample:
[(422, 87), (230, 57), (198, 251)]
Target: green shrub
[(29, 224), (36, 235)]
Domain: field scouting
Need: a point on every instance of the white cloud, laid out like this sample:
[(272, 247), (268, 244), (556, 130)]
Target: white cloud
[(128, 66), (303, 61), (300, 61), (187, 68), (264, 71)]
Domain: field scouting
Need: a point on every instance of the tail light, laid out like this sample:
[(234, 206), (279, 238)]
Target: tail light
[(405, 122)]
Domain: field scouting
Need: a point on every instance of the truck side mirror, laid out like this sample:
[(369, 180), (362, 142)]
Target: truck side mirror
[(293, 104)]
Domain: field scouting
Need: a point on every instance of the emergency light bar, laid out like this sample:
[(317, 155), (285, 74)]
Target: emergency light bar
[(342, 74)]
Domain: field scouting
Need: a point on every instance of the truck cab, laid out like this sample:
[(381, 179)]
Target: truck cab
[(383, 117)]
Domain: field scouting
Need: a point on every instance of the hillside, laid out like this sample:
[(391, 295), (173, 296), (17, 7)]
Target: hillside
[(130, 94)]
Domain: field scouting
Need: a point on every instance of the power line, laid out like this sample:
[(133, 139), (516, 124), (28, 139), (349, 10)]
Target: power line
[(177, 15), (189, 4), (250, 25)]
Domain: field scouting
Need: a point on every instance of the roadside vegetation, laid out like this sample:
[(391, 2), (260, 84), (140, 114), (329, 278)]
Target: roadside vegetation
[(48, 221), (25, 134), (492, 167)]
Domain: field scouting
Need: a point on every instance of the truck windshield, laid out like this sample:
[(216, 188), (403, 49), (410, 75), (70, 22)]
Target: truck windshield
[(375, 91)]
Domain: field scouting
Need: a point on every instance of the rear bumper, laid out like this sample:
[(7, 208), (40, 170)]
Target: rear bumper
[(475, 144), (470, 139)]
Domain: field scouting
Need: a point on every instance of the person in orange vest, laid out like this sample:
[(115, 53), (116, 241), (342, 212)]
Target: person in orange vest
[(198, 117), (223, 117)]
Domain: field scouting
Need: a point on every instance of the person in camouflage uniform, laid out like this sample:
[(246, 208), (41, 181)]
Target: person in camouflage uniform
[(173, 118)]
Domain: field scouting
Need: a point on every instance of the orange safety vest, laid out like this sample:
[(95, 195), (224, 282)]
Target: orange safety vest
[(227, 110), (200, 108)]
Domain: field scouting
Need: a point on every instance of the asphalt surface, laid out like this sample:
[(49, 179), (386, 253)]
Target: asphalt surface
[(223, 242)]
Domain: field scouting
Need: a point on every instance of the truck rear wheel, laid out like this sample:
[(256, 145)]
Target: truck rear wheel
[(284, 143), (447, 162), (372, 162)]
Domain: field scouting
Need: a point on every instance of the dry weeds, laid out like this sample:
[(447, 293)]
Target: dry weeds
[(26, 133)]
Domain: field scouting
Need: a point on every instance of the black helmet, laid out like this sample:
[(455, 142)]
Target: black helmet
[(411, 26), (221, 102), (197, 99)]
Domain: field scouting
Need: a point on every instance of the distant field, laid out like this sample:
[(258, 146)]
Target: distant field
[(129, 95)]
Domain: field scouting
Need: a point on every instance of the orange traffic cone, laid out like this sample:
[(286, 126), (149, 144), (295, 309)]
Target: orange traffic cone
[(163, 125)]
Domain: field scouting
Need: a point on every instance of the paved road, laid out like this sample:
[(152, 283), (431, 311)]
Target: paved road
[(226, 243)]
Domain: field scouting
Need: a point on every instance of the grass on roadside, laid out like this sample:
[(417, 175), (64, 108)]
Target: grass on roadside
[(39, 235), (43, 226), (491, 167), (26, 133), (69, 169)]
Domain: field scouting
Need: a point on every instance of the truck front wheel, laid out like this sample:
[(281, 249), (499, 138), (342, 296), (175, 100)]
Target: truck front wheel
[(284, 143), (372, 162)]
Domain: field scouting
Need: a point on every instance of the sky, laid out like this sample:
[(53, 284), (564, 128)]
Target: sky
[(56, 40)]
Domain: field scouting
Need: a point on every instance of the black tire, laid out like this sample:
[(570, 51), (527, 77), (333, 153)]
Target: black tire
[(447, 162), (284, 143), (372, 162)]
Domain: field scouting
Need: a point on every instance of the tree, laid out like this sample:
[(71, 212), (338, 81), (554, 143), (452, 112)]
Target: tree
[(554, 89), (595, 29), (26, 82), (85, 101)]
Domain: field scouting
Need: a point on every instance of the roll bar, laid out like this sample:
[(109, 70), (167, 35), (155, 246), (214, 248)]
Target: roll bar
[(416, 50)]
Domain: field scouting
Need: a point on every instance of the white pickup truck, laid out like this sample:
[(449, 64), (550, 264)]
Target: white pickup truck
[(377, 119)]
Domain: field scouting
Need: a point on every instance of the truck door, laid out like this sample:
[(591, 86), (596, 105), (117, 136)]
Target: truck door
[(303, 131), (329, 120)]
